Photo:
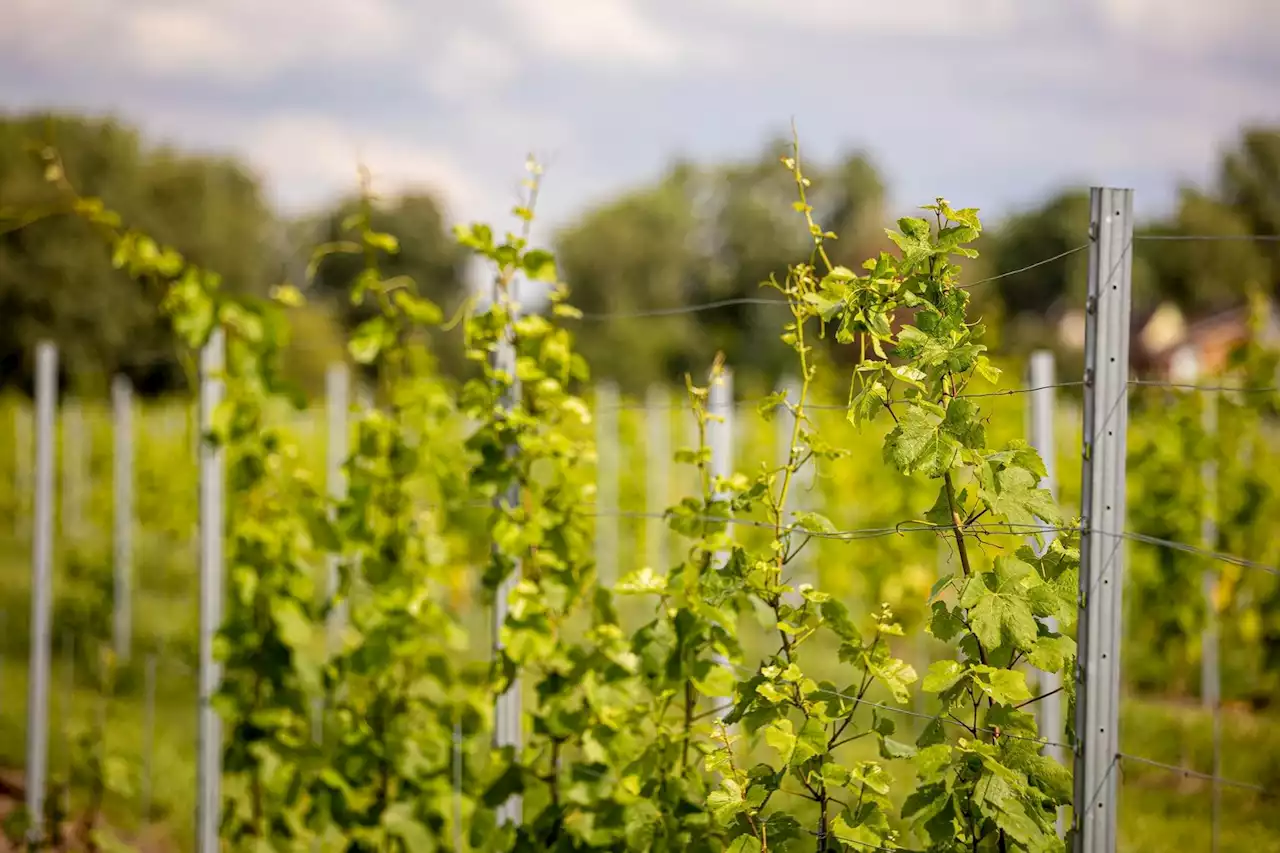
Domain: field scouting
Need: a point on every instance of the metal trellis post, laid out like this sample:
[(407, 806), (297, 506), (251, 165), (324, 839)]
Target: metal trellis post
[(720, 436), (1106, 418), (338, 403), (1042, 377), (212, 529), (607, 483), (1212, 641), (658, 484), (1185, 369), (72, 519), (720, 440), (784, 425), (122, 512), (148, 736), (41, 590), (507, 731), (22, 469)]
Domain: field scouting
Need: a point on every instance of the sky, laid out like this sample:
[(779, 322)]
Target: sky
[(990, 103)]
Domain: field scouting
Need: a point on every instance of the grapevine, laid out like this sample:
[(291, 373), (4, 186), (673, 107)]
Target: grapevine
[(647, 708)]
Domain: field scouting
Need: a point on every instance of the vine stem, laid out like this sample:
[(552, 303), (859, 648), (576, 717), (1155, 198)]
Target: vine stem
[(733, 768), (957, 522)]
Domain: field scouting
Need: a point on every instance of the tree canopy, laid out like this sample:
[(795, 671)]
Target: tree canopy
[(699, 234), (55, 283)]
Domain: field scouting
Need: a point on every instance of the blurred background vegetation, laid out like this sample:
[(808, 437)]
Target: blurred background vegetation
[(699, 232)]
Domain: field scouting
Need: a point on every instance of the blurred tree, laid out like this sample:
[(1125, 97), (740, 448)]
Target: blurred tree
[(641, 252), (1207, 276), (1058, 225), (427, 254), (56, 281), (702, 235), (1036, 295), (1250, 181)]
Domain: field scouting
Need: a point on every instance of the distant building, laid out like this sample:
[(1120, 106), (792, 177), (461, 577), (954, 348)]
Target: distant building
[(1159, 336)]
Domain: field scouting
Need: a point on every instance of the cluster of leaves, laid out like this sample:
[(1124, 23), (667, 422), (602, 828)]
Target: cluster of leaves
[(608, 757), (336, 743), (988, 786)]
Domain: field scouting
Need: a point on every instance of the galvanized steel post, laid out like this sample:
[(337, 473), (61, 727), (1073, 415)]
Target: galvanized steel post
[(212, 531), (1102, 552), (41, 591)]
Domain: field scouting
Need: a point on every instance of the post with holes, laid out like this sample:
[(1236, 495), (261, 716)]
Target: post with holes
[(507, 731), (122, 512), (657, 413), (1102, 519), (720, 442), (41, 590), (607, 483), (212, 529)]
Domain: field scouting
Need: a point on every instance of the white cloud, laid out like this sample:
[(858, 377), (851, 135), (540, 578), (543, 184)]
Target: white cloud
[(1193, 26), (470, 64), (312, 158), (239, 40), (610, 32), (883, 17), (1032, 91)]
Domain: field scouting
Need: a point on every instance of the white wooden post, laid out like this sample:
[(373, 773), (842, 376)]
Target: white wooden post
[(1041, 377), (607, 483), (41, 591), (122, 512), (720, 439), (212, 529), (657, 411)]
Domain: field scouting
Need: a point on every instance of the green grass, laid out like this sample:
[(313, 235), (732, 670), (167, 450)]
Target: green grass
[(173, 749), (1159, 810)]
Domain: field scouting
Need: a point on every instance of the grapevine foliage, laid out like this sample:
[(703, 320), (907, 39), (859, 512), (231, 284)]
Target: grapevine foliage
[(651, 721), (987, 786)]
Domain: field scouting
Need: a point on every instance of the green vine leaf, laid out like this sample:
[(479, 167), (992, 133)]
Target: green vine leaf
[(999, 605)]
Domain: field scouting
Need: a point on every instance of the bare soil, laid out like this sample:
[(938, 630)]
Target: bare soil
[(13, 792)]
